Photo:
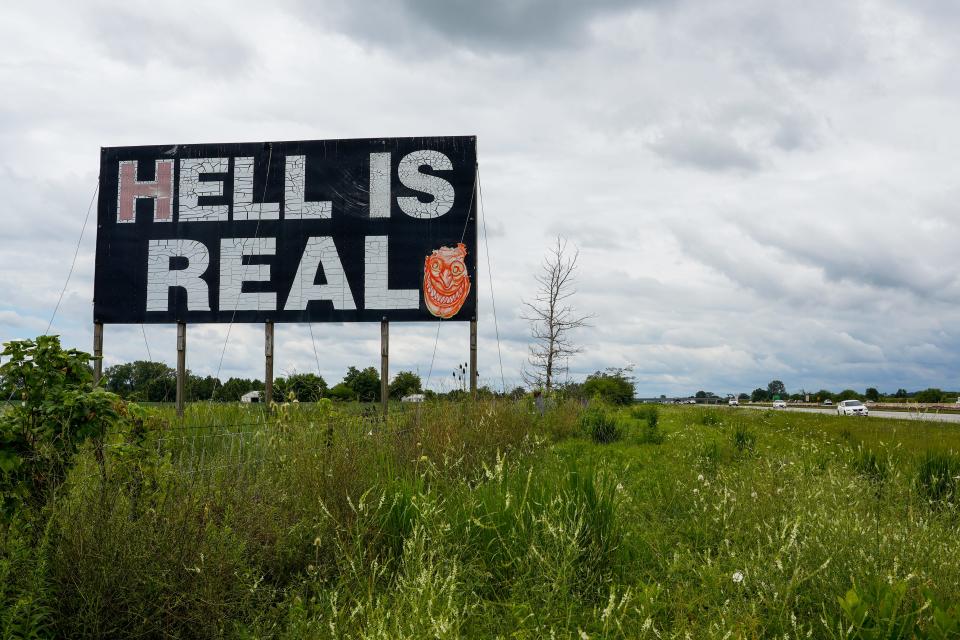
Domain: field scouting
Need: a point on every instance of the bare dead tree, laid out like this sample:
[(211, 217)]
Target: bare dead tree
[(552, 319)]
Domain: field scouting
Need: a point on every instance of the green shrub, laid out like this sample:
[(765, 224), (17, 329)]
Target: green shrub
[(59, 410), (613, 385), (600, 425), (937, 477)]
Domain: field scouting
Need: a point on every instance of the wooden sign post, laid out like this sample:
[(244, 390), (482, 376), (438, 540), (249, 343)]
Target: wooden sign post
[(97, 352), (181, 365), (384, 365), (473, 358), (268, 357)]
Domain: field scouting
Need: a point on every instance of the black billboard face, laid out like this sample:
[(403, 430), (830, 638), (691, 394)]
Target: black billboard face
[(309, 231)]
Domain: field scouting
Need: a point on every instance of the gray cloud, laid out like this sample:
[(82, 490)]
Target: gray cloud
[(497, 26), (704, 148), (193, 39), (871, 257), (816, 39)]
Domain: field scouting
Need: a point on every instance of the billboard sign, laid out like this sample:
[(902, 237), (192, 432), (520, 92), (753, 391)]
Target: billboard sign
[(305, 231)]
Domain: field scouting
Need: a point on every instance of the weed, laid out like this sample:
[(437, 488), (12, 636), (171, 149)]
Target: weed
[(710, 418), (872, 466), (937, 477), (710, 456), (600, 425), (649, 418), (743, 439), (889, 609), (646, 413)]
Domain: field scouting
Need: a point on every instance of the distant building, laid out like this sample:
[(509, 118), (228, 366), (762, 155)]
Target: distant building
[(252, 396), (413, 397)]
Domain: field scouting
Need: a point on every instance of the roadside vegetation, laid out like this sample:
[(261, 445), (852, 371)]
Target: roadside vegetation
[(461, 519)]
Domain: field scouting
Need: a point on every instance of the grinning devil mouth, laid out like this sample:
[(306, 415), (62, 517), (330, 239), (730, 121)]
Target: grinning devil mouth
[(446, 283)]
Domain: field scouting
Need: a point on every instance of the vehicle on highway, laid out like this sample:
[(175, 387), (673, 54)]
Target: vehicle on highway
[(733, 402), (779, 404), (827, 402), (852, 408)]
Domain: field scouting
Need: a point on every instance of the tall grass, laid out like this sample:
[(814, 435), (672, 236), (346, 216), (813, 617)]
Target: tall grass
[(488, 520), (600, 423), (938, 477)]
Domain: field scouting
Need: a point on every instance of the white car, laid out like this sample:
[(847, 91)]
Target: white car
[(852, 408), (779, 404), (733, 402)]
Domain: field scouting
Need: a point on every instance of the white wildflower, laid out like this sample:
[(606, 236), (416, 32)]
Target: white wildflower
[(737, 577)]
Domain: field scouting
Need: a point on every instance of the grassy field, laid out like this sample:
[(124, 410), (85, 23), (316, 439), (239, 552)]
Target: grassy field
[(489, 521)]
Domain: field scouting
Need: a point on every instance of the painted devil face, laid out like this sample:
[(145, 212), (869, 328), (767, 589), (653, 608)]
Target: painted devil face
[(445, 280)]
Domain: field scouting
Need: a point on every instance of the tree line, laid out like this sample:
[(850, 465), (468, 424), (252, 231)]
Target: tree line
[(776, 390), (145, 381)]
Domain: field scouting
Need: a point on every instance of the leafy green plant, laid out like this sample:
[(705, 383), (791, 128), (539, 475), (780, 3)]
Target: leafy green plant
[(879, 611), (886, 610), (59, 410)]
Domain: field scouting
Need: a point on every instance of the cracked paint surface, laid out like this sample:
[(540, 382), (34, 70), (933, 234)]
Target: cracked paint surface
[(160, 190), (295, 203), (244, 208), (191, 188), (446, 283), (161, 277), (233, 273)]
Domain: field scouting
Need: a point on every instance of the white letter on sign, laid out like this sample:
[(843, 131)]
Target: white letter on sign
[(244, 208), (295, 203), (320, 252), (160, 277), (233, 273), (191, 188), (377, 294), (440, 189), (380, 185)]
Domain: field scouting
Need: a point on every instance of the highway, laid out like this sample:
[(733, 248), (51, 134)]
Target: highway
[(931, 416)]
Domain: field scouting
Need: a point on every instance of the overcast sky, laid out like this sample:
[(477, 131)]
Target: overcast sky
[(759, 189)]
